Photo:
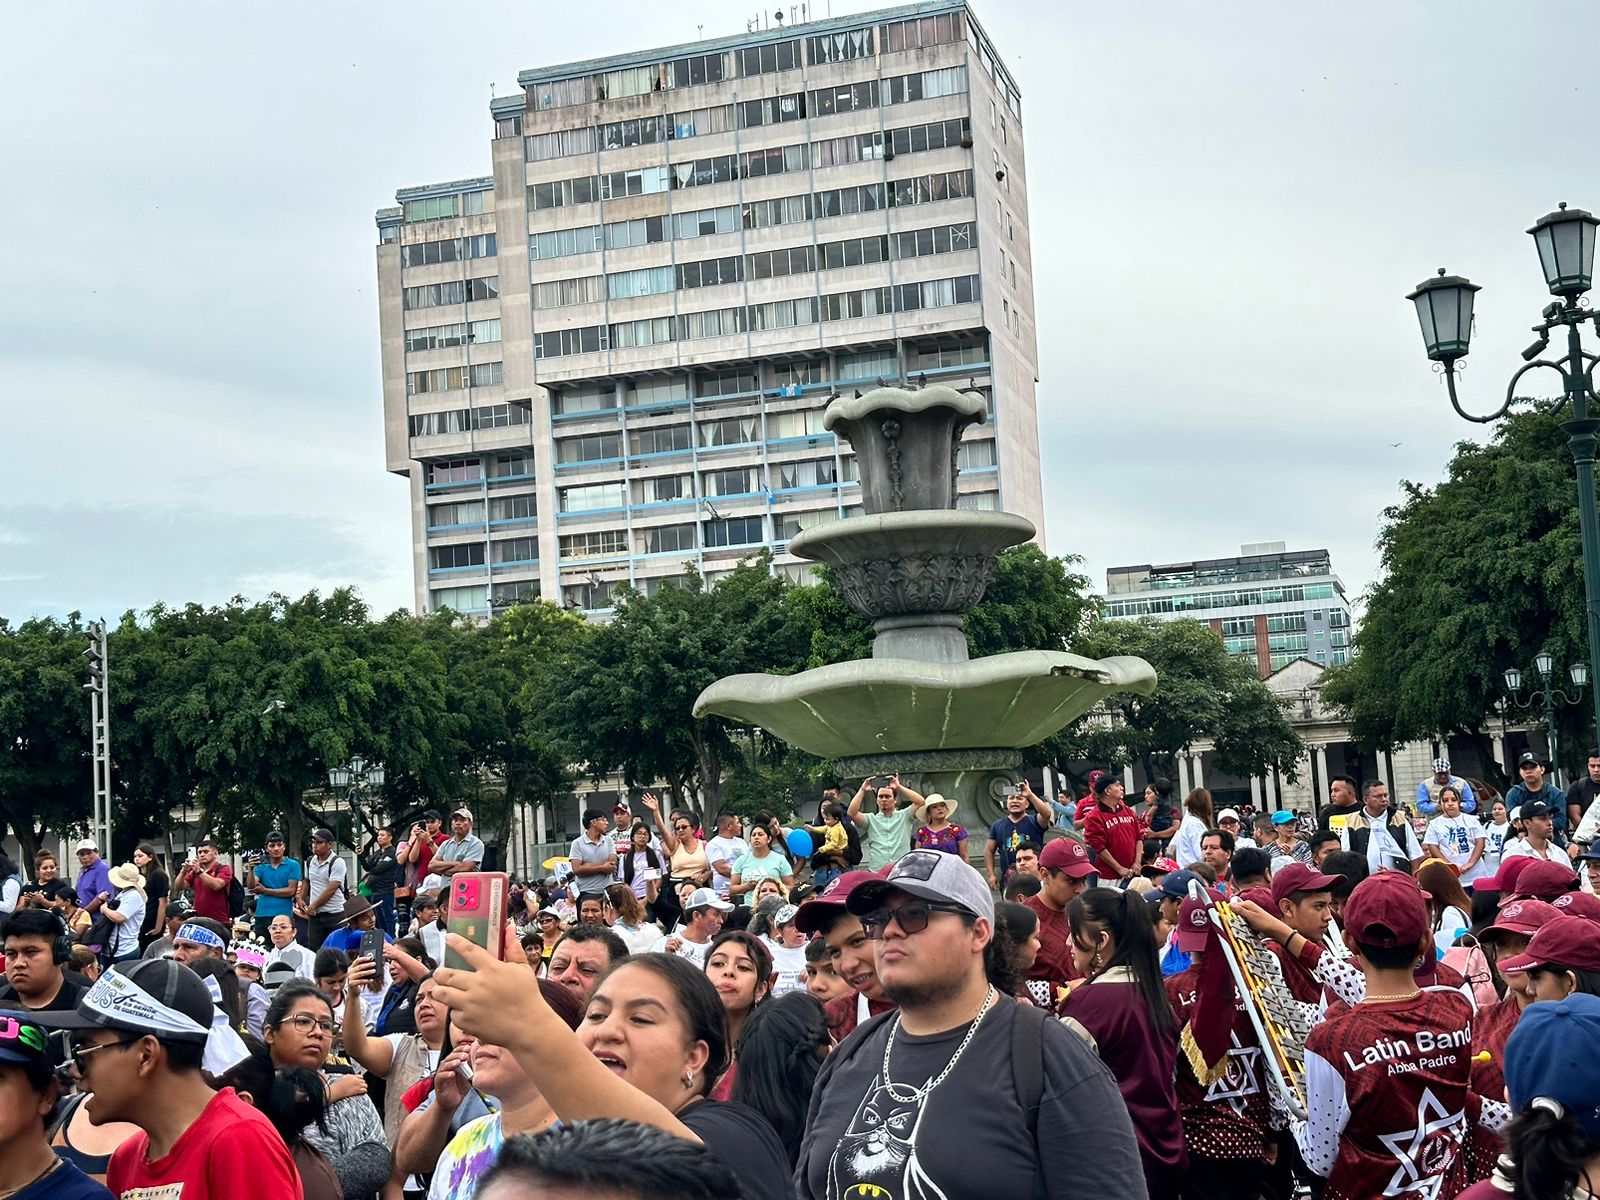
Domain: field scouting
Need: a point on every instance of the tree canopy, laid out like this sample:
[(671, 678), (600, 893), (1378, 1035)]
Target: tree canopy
[(1480, 573)]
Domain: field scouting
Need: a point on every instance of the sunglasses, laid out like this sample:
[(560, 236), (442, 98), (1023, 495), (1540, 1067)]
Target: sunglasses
[(682, 828), (80, 1052), (912, 918)]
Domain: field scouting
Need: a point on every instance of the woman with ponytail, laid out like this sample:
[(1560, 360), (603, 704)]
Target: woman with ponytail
[(1553, 1144), (1120, 1008)]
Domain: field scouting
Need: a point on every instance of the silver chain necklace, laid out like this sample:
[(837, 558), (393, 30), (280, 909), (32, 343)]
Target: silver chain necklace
[(888, 1079)]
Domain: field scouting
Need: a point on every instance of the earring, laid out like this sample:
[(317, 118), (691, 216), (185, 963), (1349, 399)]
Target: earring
[(688, 1079)]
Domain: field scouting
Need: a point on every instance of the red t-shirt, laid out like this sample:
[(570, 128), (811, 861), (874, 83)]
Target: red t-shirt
[(1489, 1034), (1402, 1067), (229, 1151), (841, 1012), (1117, 830), (1229, 1118), (213, 903), (1054, 964)]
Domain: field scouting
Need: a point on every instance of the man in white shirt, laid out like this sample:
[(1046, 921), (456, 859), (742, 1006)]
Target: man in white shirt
[(461, 851), (723, 851), (285, 949), (322, 889), (1385, 839), (1537, 840), (703, 915)]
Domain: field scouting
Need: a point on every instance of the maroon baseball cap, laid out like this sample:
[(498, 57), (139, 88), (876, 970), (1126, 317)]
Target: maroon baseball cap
[(1504, 880), (1521, 917), (1301, 877), (1194, 926), (1567, 942), (1545, 880), (1258, 895), (1578, 904), (1068, 856), (829, 902), (1386, 909)]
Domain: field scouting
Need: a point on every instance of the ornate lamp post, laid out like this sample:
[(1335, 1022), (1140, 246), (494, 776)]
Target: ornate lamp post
[(1565, 240), (1547, 694), (357, 778)]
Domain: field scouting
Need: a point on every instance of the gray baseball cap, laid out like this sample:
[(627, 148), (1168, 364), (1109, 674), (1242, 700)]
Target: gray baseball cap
[(927, 875)]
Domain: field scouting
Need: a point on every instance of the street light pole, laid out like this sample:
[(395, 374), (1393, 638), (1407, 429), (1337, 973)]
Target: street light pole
[(1566, 242), (1548, 694), (99, 689)]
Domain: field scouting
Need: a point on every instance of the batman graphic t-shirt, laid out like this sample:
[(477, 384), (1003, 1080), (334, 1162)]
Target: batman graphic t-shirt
[(903, 1137)]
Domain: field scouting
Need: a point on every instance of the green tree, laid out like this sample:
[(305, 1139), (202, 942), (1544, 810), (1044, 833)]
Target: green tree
[(1478, 574), (628, 701), (1033, 602), (1203, 692), (45, 778)]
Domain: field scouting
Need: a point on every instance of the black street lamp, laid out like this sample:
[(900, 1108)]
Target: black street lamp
[(1565, 240), (1547, 694), (357, 778)]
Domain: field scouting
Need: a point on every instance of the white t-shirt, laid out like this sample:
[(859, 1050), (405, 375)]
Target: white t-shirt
[(729, 850), (319, 875), (1494, 840), (788, 967), (695, 952), (1456, 836), (1453, 924), (1186, 842), (130, 905), (641, 940)]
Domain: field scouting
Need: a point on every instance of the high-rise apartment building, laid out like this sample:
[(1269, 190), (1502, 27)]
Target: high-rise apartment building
[(1270, 603), (611, 357)]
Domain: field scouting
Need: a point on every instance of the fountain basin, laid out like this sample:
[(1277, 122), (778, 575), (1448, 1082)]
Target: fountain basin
[(940, 714)]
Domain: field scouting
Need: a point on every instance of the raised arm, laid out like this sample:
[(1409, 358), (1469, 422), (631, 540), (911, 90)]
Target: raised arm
[(1047, 815), (854, 811), (668, 838), (374, 1053)]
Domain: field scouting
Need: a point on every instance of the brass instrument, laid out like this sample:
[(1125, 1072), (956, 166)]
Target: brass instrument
[(1281, 1023)]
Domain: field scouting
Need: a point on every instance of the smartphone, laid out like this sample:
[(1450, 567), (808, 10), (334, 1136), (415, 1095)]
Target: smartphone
[(1012, 791), (372, 947), (477, 911)]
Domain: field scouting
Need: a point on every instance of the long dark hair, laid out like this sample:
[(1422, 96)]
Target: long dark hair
[(1014, 924), (233, 997), (155, 867), (650, 855), (704, 1017), (1548, 1154), (291, 1098), (780, 1052), (759, 954), (1126, 917)]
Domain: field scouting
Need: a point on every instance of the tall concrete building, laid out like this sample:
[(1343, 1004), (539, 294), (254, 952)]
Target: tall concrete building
[(1271, 604), (610, 357)]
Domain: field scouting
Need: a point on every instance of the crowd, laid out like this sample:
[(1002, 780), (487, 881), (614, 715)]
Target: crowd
[(1133, 998)]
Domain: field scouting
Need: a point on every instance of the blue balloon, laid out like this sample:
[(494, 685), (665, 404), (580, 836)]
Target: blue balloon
[(799, 843)]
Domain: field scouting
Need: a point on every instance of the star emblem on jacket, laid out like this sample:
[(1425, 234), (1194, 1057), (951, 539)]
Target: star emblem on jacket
[(1426, 1152), (1240, 1078)]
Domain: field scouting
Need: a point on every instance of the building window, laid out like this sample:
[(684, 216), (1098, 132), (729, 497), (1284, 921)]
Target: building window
[(981, 501), (663, 488), (435, 208), (733, 531), (841, 47), (455, 470), (729, 431), (516, 550), (462, 512), (765, 60), (517, 465), (513, 508), (666, 539), (447, 558), (589, 447), (599, 543), (455, 291), (737, 481), (591, 496), (461, 599), (976, 456), (659, 439)]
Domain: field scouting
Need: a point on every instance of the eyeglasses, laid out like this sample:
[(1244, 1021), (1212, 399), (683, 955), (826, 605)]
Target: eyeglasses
[(681, 828), (305, 1023), (912, 918), (79, 1053)]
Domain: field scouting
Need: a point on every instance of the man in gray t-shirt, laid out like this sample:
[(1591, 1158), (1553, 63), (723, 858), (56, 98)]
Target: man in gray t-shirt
[(594, 855), (459, 852), (889, 1101)]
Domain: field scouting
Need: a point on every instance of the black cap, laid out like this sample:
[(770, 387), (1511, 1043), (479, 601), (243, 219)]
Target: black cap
[(1535, 808), (322, 835), (1529, 759), (432, 814), (113, 1004), (274, 835)]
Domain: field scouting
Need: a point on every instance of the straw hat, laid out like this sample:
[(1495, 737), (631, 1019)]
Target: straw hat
[(126, 876)]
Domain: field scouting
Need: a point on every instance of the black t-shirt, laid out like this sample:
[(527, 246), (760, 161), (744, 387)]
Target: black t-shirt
[(1334, 818), (156, 889), (56, 889), (746, 1143), (896, 1140)]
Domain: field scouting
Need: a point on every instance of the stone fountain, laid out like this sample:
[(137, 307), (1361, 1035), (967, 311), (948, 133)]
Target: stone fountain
[(913, 564)]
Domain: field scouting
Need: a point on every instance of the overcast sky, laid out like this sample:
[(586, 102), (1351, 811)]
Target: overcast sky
[(1230, 202)]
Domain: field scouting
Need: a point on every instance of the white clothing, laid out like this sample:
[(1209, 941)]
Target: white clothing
[(641, 940), (1494, 840), (729, 850), (1455, 836), (1451, 926), (1186, 842), (125, 938), (695, 952), (433, 941), (1519, 848), (788, 967), (296, 955)]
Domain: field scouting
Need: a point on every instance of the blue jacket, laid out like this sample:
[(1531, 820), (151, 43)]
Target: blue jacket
[(1517, 795), (1426, 806)]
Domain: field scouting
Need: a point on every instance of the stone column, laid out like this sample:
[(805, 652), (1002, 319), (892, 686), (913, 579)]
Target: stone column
[(1383, 772), (1319, 787), (1255, 792), (1127, 780), (1184, 786), (1199, 770)]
